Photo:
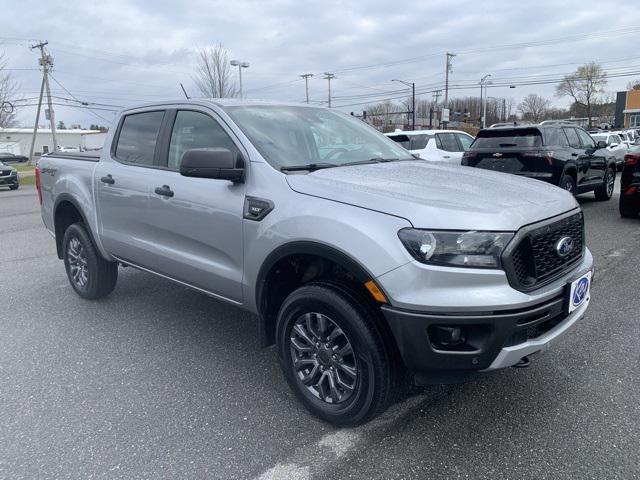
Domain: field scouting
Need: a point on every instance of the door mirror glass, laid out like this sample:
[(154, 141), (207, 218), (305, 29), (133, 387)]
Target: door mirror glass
[(601, 144), (217, 163)]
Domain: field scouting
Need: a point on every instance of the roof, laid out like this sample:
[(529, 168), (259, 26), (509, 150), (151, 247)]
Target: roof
[(222, 103), (423, 132)]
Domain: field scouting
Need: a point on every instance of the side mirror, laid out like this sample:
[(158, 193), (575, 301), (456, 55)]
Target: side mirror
[(216, 163), (601, 144)]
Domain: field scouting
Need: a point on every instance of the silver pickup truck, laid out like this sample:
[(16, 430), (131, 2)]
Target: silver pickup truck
[(360, 261)]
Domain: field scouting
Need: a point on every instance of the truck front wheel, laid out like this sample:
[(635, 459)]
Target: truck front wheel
[(90, 275), (333, 354)]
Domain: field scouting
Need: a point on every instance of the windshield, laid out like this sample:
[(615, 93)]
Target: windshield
[(287, 136)]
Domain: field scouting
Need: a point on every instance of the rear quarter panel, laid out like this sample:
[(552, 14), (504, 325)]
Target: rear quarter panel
[(68, 179)]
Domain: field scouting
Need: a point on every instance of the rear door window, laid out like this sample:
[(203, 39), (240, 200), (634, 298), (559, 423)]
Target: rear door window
[(412, 142), (507, 138), (572, 137), (465, 141), (554, 137), (138, 137), (447, 142)]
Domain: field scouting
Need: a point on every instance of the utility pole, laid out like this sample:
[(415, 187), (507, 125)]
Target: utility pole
[(436, 96), (329, 76), (35, 126), (446, 82), (306, 77), (46, 62)]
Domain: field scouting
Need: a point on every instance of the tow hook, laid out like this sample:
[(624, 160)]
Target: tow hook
[(523, 363)]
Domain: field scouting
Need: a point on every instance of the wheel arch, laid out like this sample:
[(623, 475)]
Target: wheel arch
[(67, 211), (266, 296)]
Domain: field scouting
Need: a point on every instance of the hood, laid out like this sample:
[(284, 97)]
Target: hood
[(439, 196)]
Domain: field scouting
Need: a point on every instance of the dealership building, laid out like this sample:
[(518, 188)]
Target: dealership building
[(628, 109), (18, 140)]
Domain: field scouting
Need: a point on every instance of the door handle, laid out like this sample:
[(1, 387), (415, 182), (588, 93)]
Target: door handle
[(164, 190), (574, 154), (446, 156), (108, 179)]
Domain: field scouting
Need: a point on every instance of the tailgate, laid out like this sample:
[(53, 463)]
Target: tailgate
[(534, 163)]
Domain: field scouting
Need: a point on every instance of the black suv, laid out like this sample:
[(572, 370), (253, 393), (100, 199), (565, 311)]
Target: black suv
[(630, 184), (558, 153)]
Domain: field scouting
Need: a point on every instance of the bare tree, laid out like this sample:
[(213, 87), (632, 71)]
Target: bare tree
[(213, 73), (585, 86), (533, 107), (634, 84), (7, 95)]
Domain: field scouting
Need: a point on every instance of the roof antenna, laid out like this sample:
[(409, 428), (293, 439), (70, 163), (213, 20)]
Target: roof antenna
[(184, 91)]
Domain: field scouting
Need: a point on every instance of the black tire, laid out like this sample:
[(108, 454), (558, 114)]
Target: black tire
[(14, 187), (79, 254), (629, 207), (568, 183), (605, 191), (378, 370)]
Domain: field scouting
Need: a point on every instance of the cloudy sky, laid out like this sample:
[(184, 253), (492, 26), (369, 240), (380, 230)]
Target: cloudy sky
[(122, 52)]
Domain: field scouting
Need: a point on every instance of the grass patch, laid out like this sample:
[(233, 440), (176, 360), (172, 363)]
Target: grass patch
[(24, 167), (30, 180)]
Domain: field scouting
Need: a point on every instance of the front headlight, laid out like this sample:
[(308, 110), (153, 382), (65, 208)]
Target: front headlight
[(455, 249)]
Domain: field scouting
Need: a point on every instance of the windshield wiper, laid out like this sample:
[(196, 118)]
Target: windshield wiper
[(370, 161), (307, 166)]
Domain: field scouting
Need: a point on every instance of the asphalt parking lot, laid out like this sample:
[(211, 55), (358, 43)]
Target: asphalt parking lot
[(157, 381)]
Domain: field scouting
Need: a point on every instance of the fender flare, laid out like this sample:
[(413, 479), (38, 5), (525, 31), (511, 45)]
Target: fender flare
[(66, 197), (318, 249)]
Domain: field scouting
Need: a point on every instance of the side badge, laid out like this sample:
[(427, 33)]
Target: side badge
[(256, 208)]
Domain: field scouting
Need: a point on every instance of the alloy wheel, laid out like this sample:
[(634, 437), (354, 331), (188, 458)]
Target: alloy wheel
[(323, 358), (77, 259), (610, 181)]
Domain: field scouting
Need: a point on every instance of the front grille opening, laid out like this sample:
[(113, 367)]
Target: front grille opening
[(533, 331), (535, 260)]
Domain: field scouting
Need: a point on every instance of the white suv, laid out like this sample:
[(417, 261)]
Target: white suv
[(435, 145)]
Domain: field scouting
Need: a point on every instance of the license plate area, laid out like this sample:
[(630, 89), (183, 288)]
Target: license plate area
[(579, 292)]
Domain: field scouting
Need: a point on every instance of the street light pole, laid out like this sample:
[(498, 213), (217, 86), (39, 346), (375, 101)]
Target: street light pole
[(413, 101), (483, 83), (240, 66)]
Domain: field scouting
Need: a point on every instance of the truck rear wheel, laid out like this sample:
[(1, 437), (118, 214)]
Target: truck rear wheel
[(334, 356), (90, 275)]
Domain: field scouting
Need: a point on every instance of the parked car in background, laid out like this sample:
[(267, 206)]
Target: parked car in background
[(6, 157), (626, 139), (435, 145), (558, 153), (615, 146), (9, 177), (630, 184), (69, 149)]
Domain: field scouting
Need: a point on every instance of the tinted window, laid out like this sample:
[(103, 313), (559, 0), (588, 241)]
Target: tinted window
[(138, 135), (554, 137), (412, 142), (585, 138), (613, 139), (503, 138), (195, 130), (465, 141), (572, 137), (447, 142)]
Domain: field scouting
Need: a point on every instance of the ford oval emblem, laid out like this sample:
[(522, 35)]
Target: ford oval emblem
[(580, 292), (564, 246)]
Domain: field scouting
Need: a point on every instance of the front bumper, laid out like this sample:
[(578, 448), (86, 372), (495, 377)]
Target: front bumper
[(499, 334), (9, 180)]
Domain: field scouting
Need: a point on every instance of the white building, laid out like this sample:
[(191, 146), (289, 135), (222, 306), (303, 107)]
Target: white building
[(18, 140)]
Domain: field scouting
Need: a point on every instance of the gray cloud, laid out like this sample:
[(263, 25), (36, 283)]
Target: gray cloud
[(122, 52)]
